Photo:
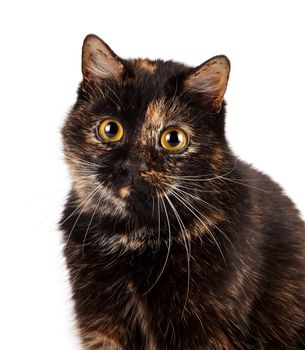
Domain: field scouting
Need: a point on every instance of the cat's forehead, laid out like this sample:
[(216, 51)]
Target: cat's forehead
[(160, 114), (145, 64), (154, 78), (159, 70), (152, 94)]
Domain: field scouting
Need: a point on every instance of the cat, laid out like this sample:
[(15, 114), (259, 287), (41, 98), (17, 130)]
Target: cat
[(170, 240)]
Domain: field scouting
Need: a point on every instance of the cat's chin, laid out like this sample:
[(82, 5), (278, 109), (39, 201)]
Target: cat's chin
[(136, 201)]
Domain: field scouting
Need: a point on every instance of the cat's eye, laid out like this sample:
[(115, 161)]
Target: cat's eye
[(174, 139), (110, 130)]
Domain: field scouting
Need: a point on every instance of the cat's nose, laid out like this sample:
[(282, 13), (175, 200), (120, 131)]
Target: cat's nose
[(133, 166)]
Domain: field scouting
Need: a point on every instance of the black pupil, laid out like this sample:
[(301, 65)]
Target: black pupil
[(111, 129), (174, 138)]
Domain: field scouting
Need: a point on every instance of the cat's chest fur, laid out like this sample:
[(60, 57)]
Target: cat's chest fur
[(155, 294), (131, 294)]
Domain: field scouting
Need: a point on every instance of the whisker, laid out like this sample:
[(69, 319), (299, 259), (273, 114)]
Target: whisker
[(205, 203), (180, 199), (244, 184), (76, 159), (75, 210), (159, 220), (195, 197), (153, 207), (90, 222), (198, 188), (109, 89), (168, 248), (79, 215), (187, 245), (199, 177), (114, 93), (51, 211)]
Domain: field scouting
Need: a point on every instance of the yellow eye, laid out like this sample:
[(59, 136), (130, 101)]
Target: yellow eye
[(110, 130), (173, 139)]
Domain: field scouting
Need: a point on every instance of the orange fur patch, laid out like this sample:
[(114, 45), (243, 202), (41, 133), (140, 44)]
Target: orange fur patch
[(146, 65)]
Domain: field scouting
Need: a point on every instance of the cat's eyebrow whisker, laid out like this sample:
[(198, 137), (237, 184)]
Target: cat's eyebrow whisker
[(109, 89), (171, 103), (189, 206), (193, 185), (187, 244), (168, 248)]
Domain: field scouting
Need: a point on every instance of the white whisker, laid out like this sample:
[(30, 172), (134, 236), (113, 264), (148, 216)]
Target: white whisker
[(205, 203), (79, 206), (200, 177), (83, 208), (175, 194), (90, 222), (168, 248), (187, 245), (159, 220), (195, 197), (244, 184)]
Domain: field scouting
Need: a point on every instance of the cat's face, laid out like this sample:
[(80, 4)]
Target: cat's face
[(141, 131)]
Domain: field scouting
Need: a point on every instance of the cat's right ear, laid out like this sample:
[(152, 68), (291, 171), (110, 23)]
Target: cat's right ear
[(99, 62)]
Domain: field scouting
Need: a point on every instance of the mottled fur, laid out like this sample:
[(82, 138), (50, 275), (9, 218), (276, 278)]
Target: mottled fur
[(205, 252)]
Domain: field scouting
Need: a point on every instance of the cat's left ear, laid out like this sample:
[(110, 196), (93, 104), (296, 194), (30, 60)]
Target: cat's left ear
[(210, 79), (99, 62)]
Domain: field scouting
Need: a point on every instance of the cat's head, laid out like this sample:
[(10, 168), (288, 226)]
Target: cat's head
[(144, 133)]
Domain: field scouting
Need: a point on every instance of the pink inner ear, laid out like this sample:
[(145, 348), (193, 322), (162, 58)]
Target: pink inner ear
[(99, 61), (211, 79), (208, 85)]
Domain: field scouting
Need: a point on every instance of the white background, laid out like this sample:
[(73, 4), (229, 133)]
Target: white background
[(39, 73)]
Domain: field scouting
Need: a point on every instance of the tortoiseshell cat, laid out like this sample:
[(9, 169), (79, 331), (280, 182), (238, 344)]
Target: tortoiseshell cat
[(170, 240)]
